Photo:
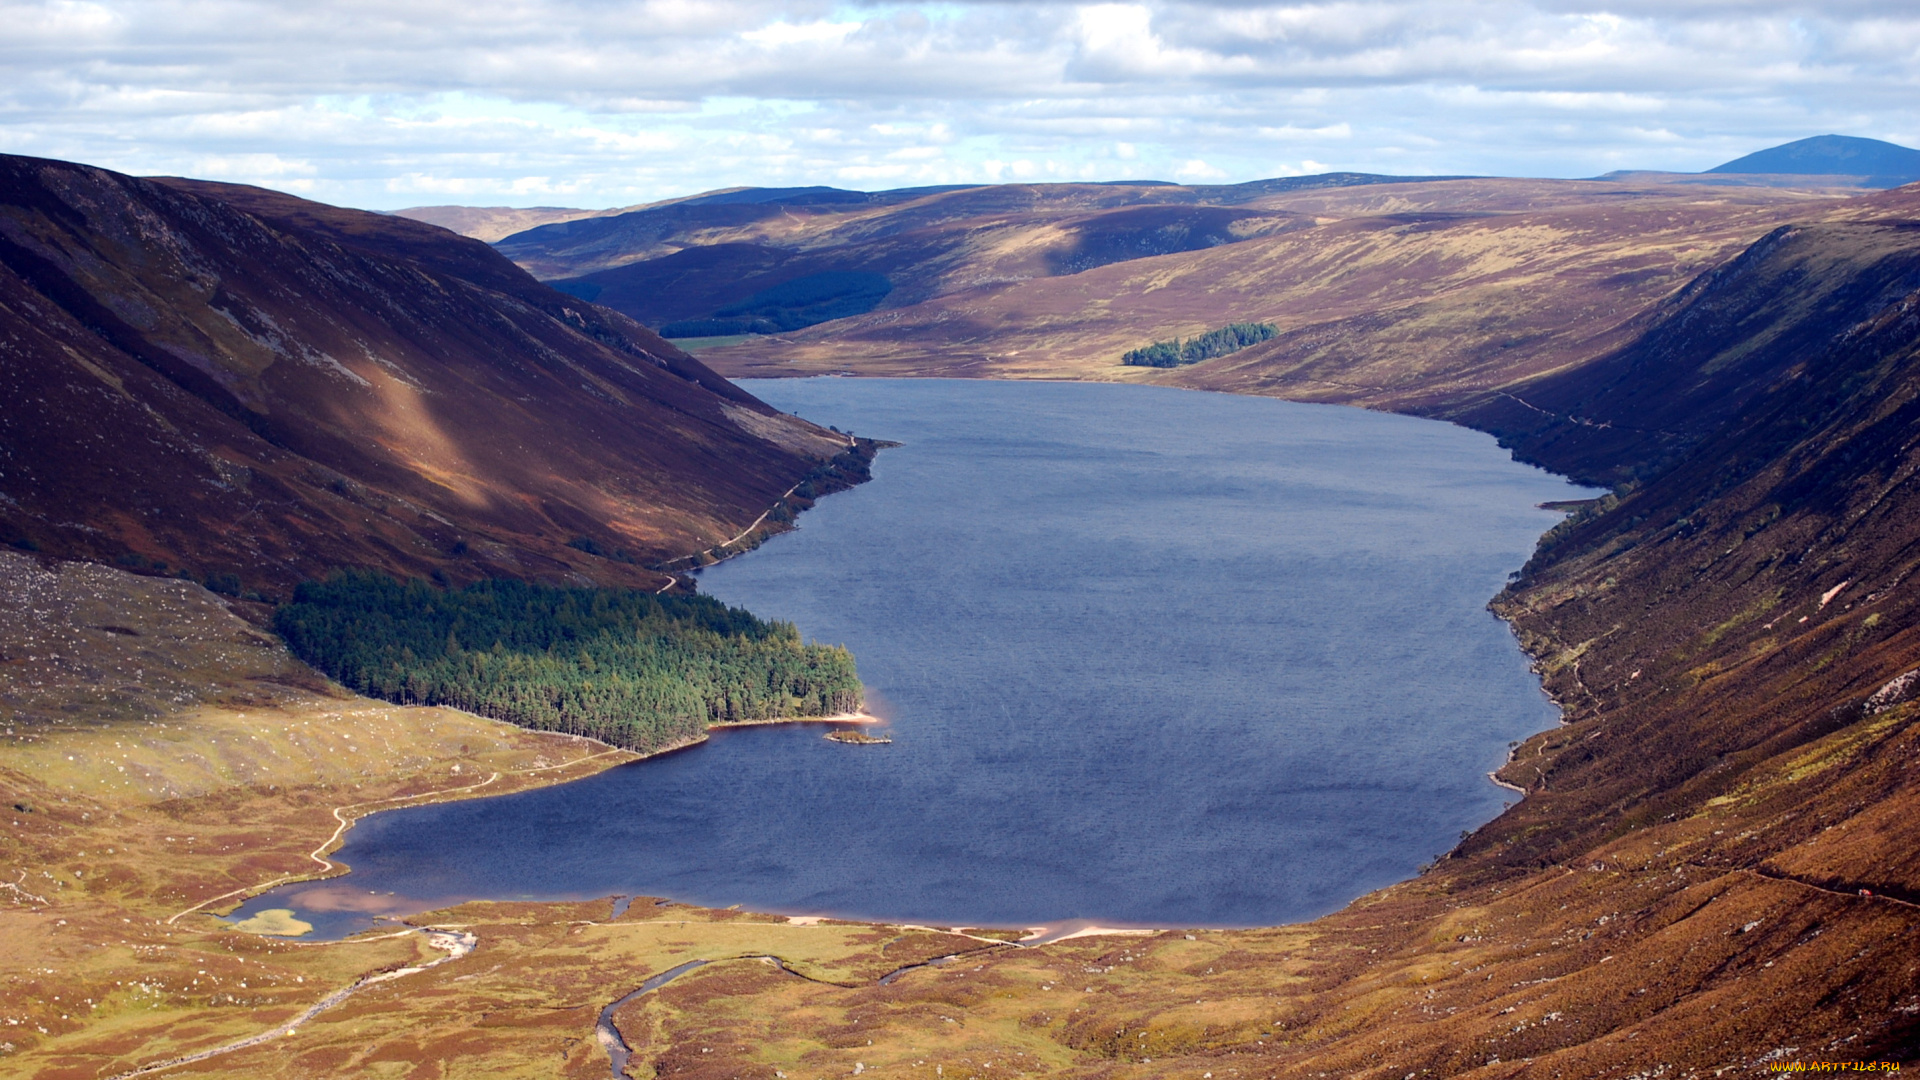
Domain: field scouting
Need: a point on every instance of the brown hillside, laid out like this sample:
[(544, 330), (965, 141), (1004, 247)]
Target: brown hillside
[(490, 223), (689, 258), (231, 381), (1400, 293), (819, 218), (925, 262)]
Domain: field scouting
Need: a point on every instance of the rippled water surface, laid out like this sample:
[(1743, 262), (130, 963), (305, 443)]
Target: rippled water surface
[(1149, 656)]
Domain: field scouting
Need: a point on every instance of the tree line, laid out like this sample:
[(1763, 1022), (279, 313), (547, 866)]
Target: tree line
[(1228, 339), (630, 668)]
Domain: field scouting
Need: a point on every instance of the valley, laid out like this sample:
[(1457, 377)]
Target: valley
[(1714, 869)]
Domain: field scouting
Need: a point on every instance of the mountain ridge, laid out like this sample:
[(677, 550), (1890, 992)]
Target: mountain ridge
[(359, 389)]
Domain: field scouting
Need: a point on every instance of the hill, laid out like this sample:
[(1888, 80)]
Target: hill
[(248, 388), (490, 223), (1390, 294), (1877, 163), (690, 259)]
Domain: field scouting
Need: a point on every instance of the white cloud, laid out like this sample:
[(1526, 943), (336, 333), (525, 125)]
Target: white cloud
[(604, 103), (1199, 172), (815, 33)]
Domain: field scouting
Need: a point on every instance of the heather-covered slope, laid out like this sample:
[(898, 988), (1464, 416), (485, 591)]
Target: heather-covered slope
[(689, 260), (1747, 591), (816, 218), (490, 223), (1389, 294), (703, 282), (253, 388), (1713, 346)]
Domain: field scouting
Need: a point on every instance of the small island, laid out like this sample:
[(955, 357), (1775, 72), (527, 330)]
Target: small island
[(857, 738)]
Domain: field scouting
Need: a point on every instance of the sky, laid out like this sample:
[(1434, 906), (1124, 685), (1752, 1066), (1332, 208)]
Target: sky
[(384, 104)]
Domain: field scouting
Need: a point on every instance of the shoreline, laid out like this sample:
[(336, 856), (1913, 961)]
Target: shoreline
[(836, 718), (220, 907)]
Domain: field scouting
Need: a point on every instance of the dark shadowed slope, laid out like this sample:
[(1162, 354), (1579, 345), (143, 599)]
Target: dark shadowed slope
[(1711, 350), (232, 381)]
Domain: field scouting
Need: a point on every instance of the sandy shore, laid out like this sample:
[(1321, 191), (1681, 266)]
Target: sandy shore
[(836, 718), (1081, 928)]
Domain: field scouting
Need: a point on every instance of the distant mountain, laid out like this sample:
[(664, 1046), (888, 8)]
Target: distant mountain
[(490, 223), (810, 196), (253, 389), (1880, 164)]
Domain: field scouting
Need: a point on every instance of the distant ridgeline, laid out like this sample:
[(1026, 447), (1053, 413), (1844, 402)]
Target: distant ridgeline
[(620, 665), (1227, 339)]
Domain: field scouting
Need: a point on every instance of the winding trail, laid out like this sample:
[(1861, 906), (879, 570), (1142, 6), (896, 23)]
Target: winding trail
[(21, 894), (340, 814), (456, 944), (763, 516), (1850, 894)]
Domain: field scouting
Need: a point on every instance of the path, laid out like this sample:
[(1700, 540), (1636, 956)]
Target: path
[(457, 945), (327, 866)]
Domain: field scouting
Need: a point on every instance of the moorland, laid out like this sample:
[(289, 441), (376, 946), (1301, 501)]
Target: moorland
[(1714, 869)]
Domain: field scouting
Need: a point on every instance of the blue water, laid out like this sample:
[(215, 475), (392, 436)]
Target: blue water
[(1148, 656)]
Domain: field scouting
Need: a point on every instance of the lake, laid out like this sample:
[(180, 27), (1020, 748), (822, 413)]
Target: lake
[(1148, 656)]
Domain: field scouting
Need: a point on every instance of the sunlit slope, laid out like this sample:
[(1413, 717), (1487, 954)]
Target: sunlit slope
[(236, 382), (691, 260), (490, 223), (1402, 293)]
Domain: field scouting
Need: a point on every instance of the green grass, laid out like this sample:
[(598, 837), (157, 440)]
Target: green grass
[(691, 344)]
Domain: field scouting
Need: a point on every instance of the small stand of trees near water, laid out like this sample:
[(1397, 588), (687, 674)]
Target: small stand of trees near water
[(631, 668), (1228, 339)]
